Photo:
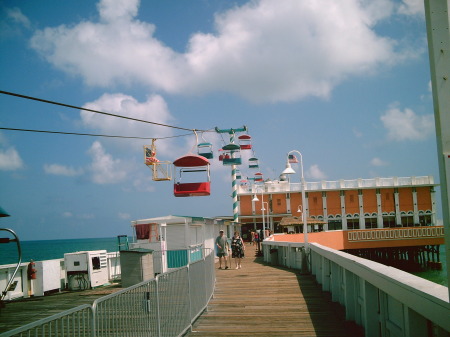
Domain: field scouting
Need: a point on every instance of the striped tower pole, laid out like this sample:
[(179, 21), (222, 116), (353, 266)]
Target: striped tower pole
[(234, 185), (232, 132)]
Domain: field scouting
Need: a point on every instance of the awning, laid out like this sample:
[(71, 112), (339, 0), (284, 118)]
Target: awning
[(296, 220)]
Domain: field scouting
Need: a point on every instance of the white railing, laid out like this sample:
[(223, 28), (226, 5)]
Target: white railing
[(54, 281), (164, 306), (384, 300), (284, 186), (395, 234)]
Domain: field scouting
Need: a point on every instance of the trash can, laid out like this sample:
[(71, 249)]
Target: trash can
[(274, 257)]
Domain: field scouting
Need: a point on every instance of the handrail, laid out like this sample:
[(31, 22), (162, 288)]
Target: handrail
[(3, 294), (369, 291), (46, 320)]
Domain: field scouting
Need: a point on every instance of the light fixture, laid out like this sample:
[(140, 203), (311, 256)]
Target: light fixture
[(255, 198), (288, 169), (3, 213)]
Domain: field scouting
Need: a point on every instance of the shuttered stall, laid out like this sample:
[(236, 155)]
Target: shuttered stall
[(176, 246)]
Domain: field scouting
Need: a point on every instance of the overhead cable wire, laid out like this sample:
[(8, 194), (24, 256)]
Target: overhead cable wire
[(90, 134), (91, 110)]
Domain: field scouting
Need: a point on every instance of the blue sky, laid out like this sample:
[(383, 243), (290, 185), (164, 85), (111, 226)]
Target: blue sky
[(346, 83)]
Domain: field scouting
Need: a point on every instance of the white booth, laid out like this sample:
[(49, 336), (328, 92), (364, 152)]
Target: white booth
[(86, 270)]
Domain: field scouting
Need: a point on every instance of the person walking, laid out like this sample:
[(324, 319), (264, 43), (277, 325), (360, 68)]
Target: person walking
[(237, 249), (222, 248)]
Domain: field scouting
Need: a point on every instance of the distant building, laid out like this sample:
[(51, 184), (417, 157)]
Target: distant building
[(342, 205)]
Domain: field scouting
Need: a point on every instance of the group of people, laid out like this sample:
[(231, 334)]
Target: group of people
[(237, 249)]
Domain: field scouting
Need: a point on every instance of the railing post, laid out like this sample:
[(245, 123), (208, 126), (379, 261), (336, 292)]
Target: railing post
[(189, 294), (158, 313), (93, 322)]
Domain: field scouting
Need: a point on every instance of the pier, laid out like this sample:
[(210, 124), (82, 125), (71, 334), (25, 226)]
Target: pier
[(19, 312), (337, 295), (265, 300)]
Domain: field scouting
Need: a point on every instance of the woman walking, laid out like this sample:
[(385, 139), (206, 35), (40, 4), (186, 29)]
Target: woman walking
[(237, 249)]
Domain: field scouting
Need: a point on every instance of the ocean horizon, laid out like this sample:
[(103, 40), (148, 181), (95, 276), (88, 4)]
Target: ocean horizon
[(39, 250)]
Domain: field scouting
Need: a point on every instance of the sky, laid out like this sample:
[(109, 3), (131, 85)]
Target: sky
[(346, 83)]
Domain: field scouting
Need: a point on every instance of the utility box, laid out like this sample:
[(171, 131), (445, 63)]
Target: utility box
[(274, 257), (48, 277), (136, 266), (85, 270)]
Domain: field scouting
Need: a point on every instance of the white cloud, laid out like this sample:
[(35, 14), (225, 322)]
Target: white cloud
[(62, 170), (85, 216), (10, 159), (16, 15), (81, 216), (378, 162), (154, 109), (266, 50), (406, 125), (314, 172), (411, 7), (124, 216), (104, 168), (357, 133)]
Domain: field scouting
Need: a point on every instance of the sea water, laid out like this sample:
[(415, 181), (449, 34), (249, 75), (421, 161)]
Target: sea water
[(55, 249)]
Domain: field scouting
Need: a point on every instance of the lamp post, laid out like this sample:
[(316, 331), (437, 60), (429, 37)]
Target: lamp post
[(263, 219), (263, 209), (290, 170)]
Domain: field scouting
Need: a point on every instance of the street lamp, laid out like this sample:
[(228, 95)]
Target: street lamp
[(263, 219), (262, 209), (290, 170), (267, 213)]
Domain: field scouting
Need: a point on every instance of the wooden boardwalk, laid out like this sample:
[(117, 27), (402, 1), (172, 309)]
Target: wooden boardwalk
[(23, 311), (262, 300)]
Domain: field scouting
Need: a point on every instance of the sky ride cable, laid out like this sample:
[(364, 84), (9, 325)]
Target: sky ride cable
[(91, 110), (90, 134)]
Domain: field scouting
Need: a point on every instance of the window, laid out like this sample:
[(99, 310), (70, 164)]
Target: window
[(334, 225), (388, 221), (407, 221), (370, 223), (425, 220), (353, 224), (96, 263)]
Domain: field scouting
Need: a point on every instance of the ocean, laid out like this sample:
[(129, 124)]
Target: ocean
[(55, 249)]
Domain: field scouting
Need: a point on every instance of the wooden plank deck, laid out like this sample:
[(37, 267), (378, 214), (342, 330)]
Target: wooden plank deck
[(19, 312), (263, 300)]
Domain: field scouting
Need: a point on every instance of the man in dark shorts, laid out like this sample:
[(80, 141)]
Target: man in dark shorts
[(222, 248)]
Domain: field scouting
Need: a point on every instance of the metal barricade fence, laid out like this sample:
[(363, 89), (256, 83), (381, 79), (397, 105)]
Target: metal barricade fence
[(129, 312), (73, 322), (173, 301), (164, 306)]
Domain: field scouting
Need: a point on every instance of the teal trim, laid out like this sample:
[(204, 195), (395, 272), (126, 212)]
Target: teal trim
[(177, 258), (196, 255), (231, 147), (232, 161)]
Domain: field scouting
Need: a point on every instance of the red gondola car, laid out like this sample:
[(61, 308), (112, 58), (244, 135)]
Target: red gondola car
[(194, 166), (245, 142)]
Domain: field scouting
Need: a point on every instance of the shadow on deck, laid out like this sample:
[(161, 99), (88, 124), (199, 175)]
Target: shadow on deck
[(264, 300)]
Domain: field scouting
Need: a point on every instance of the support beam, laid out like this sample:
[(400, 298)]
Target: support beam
[(437, 19)]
